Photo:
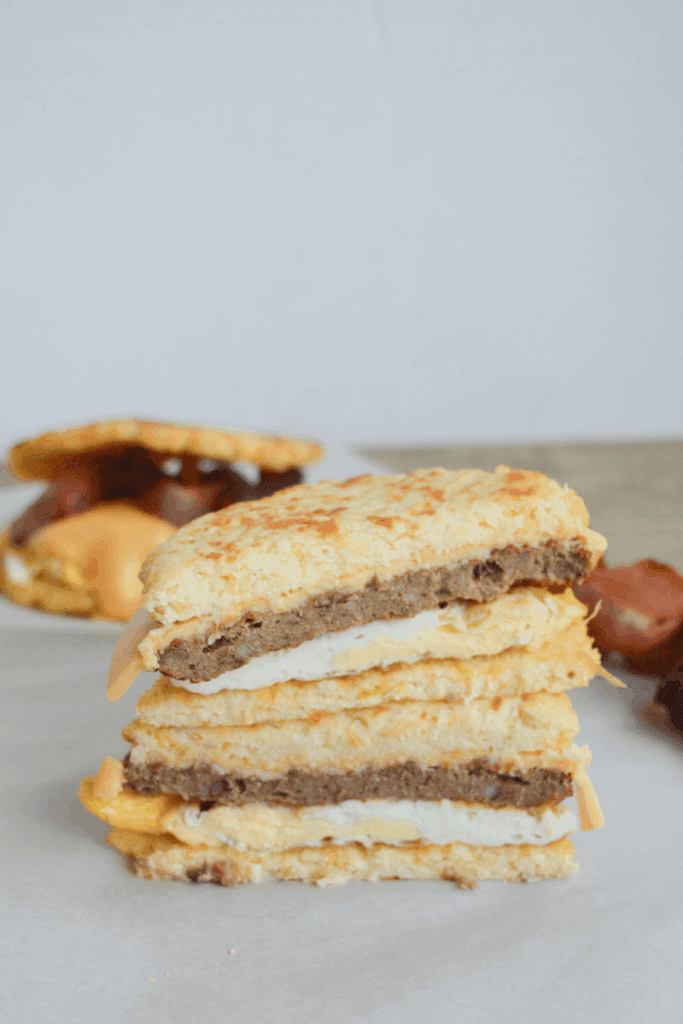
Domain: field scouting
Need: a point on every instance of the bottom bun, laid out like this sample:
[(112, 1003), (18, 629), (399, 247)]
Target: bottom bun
[(163, 857)]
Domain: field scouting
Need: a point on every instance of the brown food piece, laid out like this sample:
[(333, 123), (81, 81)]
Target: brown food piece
[(668, 700), (65, 497), (270, 482), (193, 493), (401, 597), (138, 477), (179, 504), (641, 613), (476, 781), (660, 661), (182, 498)]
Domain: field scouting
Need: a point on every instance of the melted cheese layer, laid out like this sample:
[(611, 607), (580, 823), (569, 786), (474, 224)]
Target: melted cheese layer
[(262, 828)]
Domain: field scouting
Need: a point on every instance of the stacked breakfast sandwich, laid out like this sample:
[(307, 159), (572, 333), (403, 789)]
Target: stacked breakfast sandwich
[(115, 491), (360, 680)]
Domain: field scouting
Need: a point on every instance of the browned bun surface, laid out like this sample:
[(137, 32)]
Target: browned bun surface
[(152, 856), (339, 536), (51, 455)]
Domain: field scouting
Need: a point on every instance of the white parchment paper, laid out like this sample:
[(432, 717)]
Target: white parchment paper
[(84, 941)]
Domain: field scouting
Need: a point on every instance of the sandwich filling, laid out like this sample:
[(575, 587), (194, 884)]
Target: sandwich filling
[(262, 828), (475, 781), (369, 821), (525, 618), (221, 650), (567, 660)]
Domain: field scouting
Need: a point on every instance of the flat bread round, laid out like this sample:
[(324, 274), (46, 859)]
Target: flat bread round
[(154, 856), (50, 455), (275, 554)]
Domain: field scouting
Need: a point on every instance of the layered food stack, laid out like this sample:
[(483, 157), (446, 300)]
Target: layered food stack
[(360, 680), (118, 489)]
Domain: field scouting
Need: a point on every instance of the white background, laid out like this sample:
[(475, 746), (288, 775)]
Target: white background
[(399, 221)]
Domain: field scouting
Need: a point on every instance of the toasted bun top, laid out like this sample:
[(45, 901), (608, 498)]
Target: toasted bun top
[(274, 553), (49, 456)]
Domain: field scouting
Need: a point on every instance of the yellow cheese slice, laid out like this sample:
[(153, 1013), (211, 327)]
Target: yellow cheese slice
[(109, 779), (129, 809), (590, 813), (101, 551), (126, 663)]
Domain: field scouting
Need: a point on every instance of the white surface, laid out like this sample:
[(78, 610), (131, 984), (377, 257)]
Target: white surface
[(400, 219), (82, 938)]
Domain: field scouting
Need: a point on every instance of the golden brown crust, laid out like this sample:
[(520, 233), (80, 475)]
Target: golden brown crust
[(49, 456), (535, 729), (276, 553), (153, 856)]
